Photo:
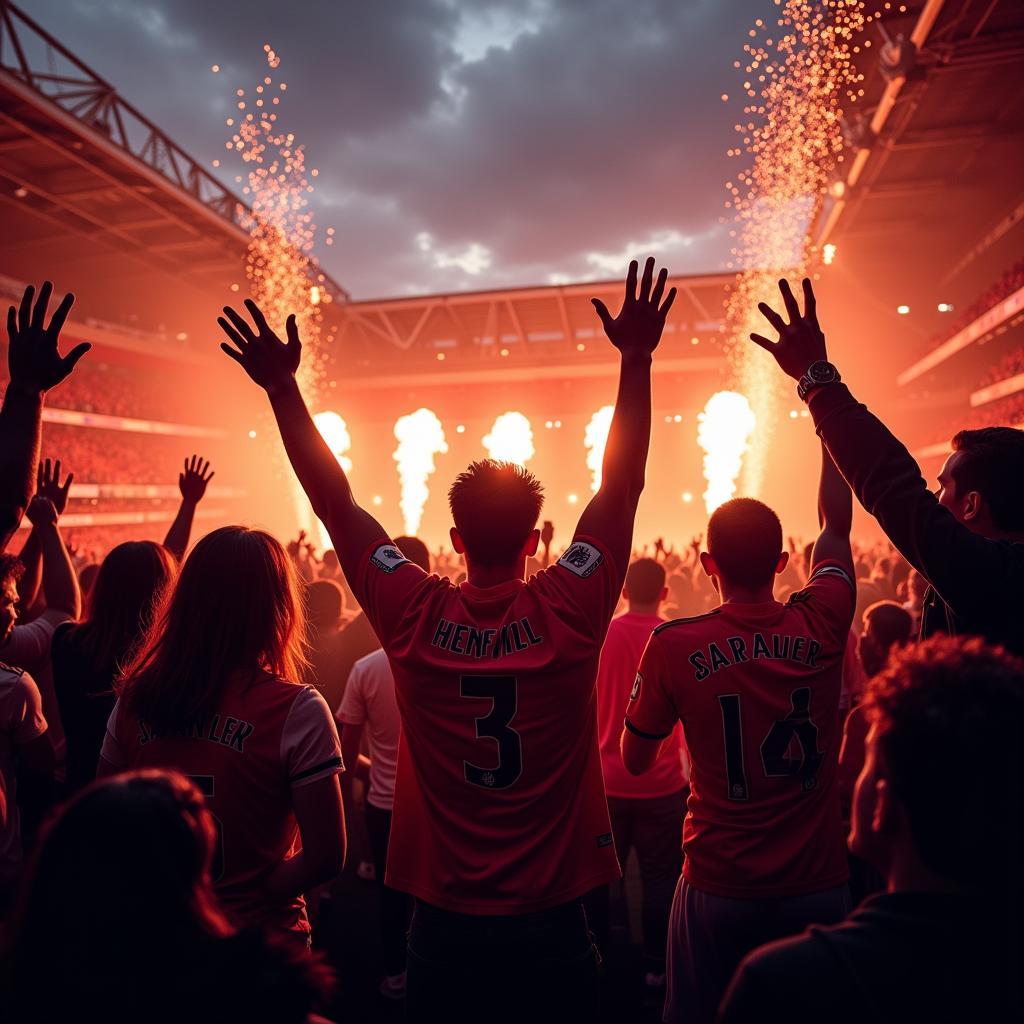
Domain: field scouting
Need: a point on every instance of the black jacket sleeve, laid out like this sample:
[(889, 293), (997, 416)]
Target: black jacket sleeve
[(966, 569)]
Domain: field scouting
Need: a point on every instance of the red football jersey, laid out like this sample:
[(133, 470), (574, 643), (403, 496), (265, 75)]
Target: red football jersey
[(756, 687), (264, 740), (499, 802), (620, 658)]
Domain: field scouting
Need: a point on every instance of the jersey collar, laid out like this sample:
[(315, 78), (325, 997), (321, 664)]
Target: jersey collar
[(485, 594)]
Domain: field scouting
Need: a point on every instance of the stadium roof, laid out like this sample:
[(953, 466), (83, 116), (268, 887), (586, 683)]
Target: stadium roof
[(931, 193), (508, 334), (91, 190)]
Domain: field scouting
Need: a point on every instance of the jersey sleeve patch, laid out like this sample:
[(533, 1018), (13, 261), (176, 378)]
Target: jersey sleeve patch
[(387, 558), (581, 558), (832, 570), (637, 683)]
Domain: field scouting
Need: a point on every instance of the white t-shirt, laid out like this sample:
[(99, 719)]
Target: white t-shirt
[(21, 721), (370, 699), (28, 647)]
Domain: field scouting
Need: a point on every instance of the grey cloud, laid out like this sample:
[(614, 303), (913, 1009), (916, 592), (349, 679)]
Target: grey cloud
[(599, 125)]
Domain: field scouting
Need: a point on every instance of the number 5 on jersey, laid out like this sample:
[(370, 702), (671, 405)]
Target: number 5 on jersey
[(495, 725)]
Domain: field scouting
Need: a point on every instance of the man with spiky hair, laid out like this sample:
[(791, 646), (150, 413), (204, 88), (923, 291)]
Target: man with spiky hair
[(500, 821)]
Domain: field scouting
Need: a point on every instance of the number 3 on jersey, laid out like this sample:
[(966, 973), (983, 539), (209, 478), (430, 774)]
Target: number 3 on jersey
[(495, 725)]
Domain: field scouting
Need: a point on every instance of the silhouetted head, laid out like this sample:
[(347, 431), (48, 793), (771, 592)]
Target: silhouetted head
[(330, 562), (236, 612), (415, 550), (495, 506), (129, 586), (325, 601), (982, 481), (645, 583), (137, 847), (941, 698), (744, 545), (886, 625), (11, 571)]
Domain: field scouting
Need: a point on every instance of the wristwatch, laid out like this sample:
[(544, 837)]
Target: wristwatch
[(816, 375)]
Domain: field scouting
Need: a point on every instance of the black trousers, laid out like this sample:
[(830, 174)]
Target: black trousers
[(527, 968), (653, 827), (394, 905)]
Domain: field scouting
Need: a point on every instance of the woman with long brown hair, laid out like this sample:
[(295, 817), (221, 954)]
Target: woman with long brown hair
[(211, 693), (88, 656)]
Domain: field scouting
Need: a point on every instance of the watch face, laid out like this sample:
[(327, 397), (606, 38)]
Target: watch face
[(821, 372)]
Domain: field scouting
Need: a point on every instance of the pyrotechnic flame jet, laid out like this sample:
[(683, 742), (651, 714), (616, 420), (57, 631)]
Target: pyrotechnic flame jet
[(595, 437), (334, 430), (510, 439), (420, 437), (724, 430)]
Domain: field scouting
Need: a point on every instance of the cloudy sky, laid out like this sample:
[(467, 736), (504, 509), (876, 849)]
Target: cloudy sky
[(460, 143)]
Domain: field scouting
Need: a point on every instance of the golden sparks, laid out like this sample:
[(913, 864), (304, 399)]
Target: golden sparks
[(797, 75), (284, 276)]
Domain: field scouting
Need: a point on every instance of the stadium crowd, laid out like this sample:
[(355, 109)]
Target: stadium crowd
[(813, 750), (1011, 365), (114, 389), (1010, 281)]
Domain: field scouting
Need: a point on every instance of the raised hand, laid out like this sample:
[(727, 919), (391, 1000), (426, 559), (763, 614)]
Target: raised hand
[(192, 482), (48, 485), (637, 329), (32, 356), (267, 360), (801, 341), (547, 533), (41, 512)]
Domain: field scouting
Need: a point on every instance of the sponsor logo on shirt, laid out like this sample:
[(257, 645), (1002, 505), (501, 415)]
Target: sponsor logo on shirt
[(635, 692), (581, 558), (603, 840), (388, 558)]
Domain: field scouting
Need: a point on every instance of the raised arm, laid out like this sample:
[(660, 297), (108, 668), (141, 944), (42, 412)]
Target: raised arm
[(835, 517), (635, 332), (192, 484), (547, 535), (48, 485), (35, 366), (882, 473), (60, 584), (271, 364)]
